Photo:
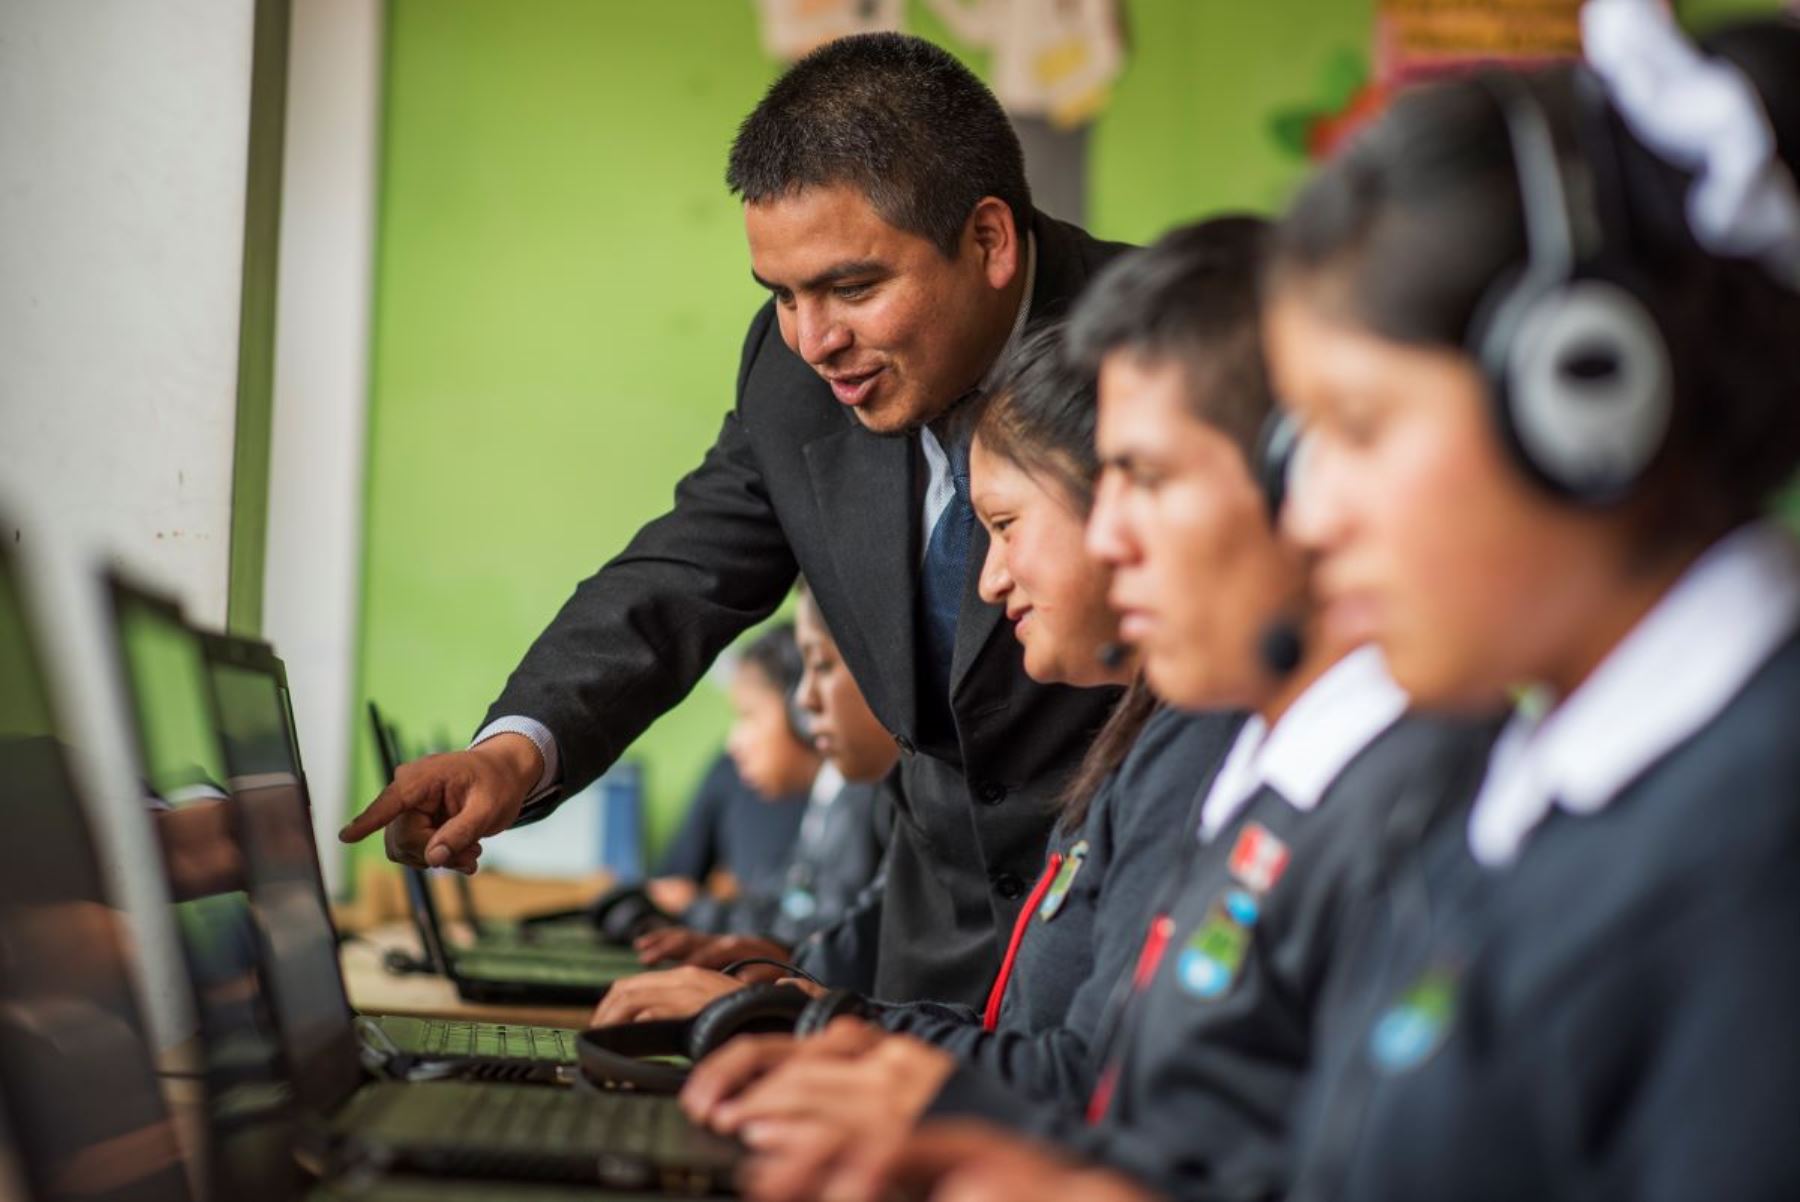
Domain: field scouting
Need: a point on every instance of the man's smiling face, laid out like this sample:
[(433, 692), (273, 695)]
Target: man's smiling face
[(897, 329)]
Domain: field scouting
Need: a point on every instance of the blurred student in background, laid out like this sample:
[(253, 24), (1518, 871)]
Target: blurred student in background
[(738, 840), (838, 849)]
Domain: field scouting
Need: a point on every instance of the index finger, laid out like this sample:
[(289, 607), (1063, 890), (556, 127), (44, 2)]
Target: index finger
[(386, 807)]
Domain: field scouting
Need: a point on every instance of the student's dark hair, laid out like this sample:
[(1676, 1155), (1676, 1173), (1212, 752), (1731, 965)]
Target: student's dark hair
[(1039, 415), (775, 653), (895, 117), (1117, 737), (1407, 230), (1189, 298)]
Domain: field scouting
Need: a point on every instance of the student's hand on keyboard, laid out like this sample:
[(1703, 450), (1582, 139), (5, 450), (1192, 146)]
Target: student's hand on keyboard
[(820, 1121), (975, 1162), (730, 1070), (670, 943), (438, 809), (722, 951), (724, 1076), (671, 993)]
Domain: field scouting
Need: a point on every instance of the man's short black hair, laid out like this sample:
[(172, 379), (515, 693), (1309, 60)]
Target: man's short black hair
[(895, 117)]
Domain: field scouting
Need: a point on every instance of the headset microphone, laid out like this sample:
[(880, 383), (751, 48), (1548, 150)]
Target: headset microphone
[(1113, 655), (1281, 646)]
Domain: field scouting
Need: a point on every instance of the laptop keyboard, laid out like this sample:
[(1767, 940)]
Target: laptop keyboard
[(539, 972), (503, 1119), (442, 1038)]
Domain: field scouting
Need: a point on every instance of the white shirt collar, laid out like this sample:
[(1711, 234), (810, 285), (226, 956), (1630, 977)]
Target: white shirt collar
[(1672, 674), (826, 785), (1024, 315), (1322, 731)]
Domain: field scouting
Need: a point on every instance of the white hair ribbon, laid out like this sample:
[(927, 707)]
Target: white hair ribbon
[(1704, 116)]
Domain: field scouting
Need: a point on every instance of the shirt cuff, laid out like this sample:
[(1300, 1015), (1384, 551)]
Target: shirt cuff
[(540, 737)]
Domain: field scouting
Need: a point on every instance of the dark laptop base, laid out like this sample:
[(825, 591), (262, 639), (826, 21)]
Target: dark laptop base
[(620, 1141)]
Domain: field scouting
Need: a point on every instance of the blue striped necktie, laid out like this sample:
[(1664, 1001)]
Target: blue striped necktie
[(941, 585)]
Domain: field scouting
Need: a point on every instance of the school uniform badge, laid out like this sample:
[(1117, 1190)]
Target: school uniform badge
[(1258, 858), (1210, 960), (1062, 882), (1412, 1030), (799, 904)]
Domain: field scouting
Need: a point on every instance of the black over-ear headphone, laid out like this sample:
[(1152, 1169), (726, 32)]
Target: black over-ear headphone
[(1277, 450), (624, 912), (1576, 365), (1282, 643), (621, 1056)]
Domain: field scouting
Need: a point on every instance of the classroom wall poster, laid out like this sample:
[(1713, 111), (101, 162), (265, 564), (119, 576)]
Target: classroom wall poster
[(1055, 59), (792, 28), (1416, 40), (1420, 38)]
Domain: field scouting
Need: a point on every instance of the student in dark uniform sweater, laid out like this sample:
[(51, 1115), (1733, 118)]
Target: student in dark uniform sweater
[(839, 845), (1586, 986), (1210, 1024), (1033, 471), (774, 758), (1590, 988), (1031, 484)]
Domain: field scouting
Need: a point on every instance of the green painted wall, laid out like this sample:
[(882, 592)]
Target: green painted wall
[(561, 295), (1188, 132), (562, 288)]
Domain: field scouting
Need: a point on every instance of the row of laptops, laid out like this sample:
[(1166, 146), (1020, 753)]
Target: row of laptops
[(300, 1096)]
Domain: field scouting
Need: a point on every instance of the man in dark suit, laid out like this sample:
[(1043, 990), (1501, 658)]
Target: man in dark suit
[(888, 215)]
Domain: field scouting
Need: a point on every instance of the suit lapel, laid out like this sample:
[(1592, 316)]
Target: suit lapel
[(1059, 278), (862, 484), (976, 620)]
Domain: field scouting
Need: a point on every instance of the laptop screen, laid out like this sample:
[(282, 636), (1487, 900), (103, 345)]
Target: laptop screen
[(86, 1110), (282, 869), (250, 1098)]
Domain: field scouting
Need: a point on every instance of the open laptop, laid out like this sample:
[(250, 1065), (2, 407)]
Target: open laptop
[(86, 1120), (211, 709), (524, 974), (249, 684), (447, 1126), (77, 1077)]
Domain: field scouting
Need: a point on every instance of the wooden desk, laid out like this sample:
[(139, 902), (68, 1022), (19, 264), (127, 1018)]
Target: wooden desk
[(380, 896), (375, 990)]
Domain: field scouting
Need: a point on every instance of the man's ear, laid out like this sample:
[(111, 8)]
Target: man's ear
[(993, 235)]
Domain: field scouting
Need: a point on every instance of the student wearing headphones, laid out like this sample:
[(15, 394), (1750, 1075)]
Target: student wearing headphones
[(739, 829), (1542, 335), (1209, 1026), (840, 840), (1548, 462)]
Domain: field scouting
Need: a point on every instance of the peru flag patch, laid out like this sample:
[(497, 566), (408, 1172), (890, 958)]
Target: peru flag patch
[(1258, 859)]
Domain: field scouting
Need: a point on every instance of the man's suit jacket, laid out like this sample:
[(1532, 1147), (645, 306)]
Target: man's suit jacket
[(794, 483)]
